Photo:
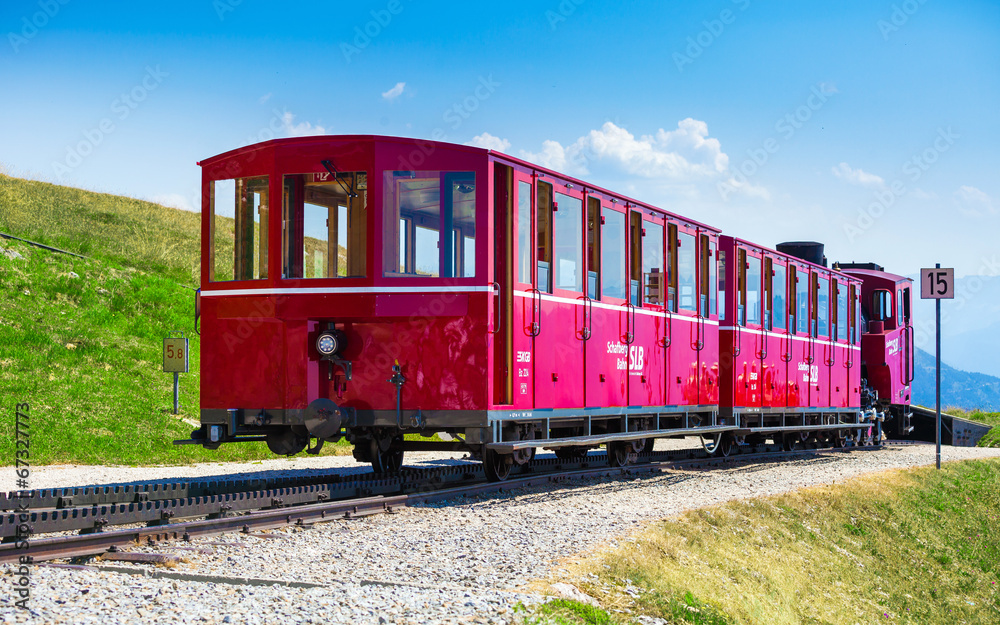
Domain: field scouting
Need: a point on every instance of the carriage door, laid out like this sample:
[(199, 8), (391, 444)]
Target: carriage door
[(560, 282), (524, 304), (800, 343), (607, 316), (648, 295), (502, 287), (708, 318), (819, 389)]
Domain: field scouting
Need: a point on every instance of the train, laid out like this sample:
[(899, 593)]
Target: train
[(363, 288)]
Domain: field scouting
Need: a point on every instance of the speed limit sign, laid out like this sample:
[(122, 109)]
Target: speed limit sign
[(937, 283)]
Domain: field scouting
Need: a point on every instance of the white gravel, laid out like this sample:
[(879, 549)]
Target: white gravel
[(466, 561)]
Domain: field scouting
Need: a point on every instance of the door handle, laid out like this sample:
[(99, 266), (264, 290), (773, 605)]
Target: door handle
[(497, 319)]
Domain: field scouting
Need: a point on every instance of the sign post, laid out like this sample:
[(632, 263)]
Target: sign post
[(937, 284), (175, 360)]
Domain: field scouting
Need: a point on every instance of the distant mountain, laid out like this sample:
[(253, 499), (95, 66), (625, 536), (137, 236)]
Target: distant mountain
[(970, 324), (960, 389)]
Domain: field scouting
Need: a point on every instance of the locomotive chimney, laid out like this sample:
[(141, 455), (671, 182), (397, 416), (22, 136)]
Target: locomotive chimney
[(810, 251)]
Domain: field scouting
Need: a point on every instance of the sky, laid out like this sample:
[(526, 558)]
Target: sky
[(871, 125)]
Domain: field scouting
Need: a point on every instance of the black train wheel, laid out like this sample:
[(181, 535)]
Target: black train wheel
[(497, 465), (386, 455), (618, 452)]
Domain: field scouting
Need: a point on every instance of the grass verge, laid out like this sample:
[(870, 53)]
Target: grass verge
[(81, 341), (914, 546), (992, 438)]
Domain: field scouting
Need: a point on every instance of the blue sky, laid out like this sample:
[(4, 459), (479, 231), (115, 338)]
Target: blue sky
[(871, 126)]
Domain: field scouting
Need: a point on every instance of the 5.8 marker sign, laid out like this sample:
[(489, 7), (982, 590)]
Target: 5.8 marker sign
[(175, 355)]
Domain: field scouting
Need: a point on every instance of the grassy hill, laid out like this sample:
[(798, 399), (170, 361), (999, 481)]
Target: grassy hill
[(81, 339), (917, 546)]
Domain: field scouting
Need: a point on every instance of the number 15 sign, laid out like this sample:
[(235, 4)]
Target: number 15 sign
[(937, 283)]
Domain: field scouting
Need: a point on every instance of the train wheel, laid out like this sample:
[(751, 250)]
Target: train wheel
[(647, 445), (618, 453), (496, 465), (726, 445), (571, 453), (788, 441), (386, 454), (840, 440), (866, 438)]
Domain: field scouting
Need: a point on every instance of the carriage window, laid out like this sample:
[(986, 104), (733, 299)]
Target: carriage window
[(822, 312), (853, 319), (653, 276), (524, 232), (543, 210), (722, 285), (841, 319), (881, 305), (768, 294), (635, 258), (707, 285), (418, 206), (687, 272), (905, 304), (593, 248), (753, 300), (239, 229), (567, 222), (779, 285), (324, 225), (672, 267), (613, 254)]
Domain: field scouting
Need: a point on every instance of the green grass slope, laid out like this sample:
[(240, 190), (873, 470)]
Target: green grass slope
[(917, 546), (81, 339), (120, 230)]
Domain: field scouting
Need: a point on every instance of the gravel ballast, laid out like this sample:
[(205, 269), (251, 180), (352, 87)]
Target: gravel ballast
[(464, 561)]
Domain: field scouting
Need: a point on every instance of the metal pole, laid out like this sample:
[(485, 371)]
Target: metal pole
[(937, 378), (177, 393)]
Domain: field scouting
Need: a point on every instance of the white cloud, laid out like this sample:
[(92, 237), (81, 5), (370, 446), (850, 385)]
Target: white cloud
[(674, 155), (299, 130), (681, 160), (174, 200), (395, 92), (974, 202), (857, 176), (488, 141), (265, 98), (920, 194)]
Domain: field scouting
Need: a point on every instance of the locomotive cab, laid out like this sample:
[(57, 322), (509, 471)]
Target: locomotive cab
[(886, 342)]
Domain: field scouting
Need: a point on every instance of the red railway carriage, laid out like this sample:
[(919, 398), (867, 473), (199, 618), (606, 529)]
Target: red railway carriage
[(789, 343), (887, 341), (368, 286)]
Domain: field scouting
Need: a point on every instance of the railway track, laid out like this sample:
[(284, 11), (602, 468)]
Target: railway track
[(110, 518)]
